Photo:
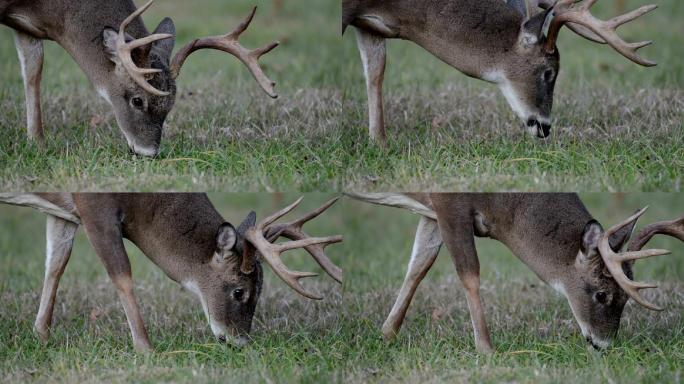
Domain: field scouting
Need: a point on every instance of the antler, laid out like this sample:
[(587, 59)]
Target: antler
[(314, 245), (674, 228), (293, 231), (576, 14), (613, 262), (229, 43), (124, 49)]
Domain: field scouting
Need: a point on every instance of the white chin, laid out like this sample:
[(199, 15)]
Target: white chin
[(145, 151)]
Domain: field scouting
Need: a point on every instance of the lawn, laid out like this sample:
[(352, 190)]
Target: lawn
[(617, 126), (337, 339)]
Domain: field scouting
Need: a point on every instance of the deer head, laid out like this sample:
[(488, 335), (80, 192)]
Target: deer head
[(602, 284), (529, 77), (229, 284), (142, 87)]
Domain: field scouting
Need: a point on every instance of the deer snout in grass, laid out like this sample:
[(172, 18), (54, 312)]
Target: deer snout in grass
[(235, 341), (540, 129)]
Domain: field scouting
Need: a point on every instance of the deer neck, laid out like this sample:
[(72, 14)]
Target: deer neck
[(176, 231), (473, 36), (545, 232)]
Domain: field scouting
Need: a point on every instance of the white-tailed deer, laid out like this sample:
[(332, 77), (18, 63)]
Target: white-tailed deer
[(553, 234), (130, 68), (506, 43), (187, 238)]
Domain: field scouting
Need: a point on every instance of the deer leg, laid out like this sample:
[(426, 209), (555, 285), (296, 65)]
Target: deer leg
[(460, 241), (373, 53), (425, 249), (107, 241), (60, 239), (30, 51)]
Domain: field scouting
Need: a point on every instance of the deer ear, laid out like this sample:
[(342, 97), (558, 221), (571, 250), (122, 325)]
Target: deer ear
[(244, 247), (247, 223), (164, 48), (520, 6), (226, 238), (534, 29), (109, 37), (590, 240)]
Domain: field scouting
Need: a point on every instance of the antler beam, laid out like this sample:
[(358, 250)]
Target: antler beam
[(576, 14), (230, 44), (261, 237), (293, 231), (613, 262), (674, 228)]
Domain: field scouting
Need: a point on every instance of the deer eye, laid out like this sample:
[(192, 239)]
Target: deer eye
[(238, 294), (137, 102), (601, 297), (548, 75)]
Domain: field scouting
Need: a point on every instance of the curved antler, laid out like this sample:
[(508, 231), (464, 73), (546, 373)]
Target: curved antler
[(293, 231), (576, 14), (674, 228), (124, 49), (229, 43), (271, 252), (613, 262)]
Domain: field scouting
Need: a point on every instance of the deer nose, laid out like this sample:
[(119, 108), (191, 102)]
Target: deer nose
[(145, 151), (235, 341), (541, 130)]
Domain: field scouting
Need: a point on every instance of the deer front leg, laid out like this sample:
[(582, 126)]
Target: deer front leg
[(108, 243), (30, 51), (373, 53), (460, 241), (425, 249), (60, 239)]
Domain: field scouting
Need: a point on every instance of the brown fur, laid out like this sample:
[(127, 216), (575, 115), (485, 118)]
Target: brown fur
[(553, 234), (180, 233)]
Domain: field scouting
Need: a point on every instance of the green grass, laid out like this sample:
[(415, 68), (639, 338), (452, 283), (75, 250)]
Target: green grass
[(337, 339), (617, 126)]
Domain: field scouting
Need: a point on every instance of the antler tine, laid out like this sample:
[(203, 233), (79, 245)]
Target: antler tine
[(132, 16), (674, 228), (316, 212), (235, 34), (275, 216), (124, 49), (576, 14), (293, 231), (262, 237), (229, 43), (613, 262)]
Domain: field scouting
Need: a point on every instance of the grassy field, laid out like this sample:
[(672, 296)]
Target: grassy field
[(337, 339), (617, 126)]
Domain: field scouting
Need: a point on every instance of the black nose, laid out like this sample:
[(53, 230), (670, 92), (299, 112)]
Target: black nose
[(543, 130)]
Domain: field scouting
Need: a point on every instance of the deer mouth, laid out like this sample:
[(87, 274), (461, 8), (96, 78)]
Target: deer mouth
[(235, 341), (596, 344), (141, 151), (540, 129)]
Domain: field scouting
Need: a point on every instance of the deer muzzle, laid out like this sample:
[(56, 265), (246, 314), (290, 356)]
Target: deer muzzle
[(539, 127)]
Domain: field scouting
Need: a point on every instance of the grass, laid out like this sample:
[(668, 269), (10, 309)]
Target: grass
[(618, 127), (337, 339)]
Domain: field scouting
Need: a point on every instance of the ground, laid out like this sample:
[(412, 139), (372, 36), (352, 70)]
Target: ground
[(337, 339), (617, 126)]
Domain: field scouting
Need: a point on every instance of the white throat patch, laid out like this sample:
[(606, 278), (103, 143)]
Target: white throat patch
[(216, 328), (560, 288)]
